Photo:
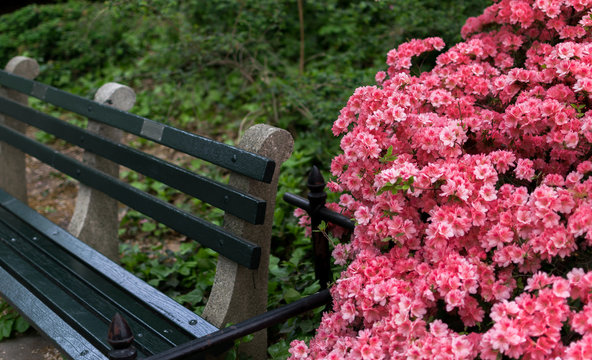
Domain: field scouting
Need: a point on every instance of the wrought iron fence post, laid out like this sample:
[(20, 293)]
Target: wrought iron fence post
[(317, 198)]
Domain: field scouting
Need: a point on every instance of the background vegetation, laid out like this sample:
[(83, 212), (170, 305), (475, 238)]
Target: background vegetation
[(216, 67)]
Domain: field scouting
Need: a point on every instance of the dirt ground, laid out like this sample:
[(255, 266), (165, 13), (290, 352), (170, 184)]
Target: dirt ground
[(50, 192)]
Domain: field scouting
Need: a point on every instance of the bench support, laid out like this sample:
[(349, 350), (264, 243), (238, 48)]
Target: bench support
[(12, 161), (95, 219), (240, 293)]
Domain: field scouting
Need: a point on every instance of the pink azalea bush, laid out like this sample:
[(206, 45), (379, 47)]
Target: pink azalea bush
[(470, 185)]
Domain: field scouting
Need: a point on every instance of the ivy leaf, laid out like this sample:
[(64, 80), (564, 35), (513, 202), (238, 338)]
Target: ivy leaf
[(6, 328), (192, 297), (313, 288), (148, 226), (291, 295), (21, 325), (307, 326)]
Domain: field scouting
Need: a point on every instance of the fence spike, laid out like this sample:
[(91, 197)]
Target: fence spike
[(120, 337)]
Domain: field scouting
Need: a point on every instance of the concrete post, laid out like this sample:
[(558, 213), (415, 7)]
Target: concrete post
[(12, 161), (95, 219), (239, 293)]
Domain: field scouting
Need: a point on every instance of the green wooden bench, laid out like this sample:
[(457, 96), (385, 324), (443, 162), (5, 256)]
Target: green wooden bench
[(71, 291)]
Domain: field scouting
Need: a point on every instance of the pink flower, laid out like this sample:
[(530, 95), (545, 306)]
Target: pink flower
[(380, 76), (454, 298), (363, 215), (561, 288), (524, 169), (298, 349), (571, 139), (488, 192), (505, 334), (348, 312)]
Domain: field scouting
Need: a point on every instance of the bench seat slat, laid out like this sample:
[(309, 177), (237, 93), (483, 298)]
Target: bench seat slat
[(50, 276), (227, 156), (159, 302), (34, 281), (49, 323), (222, 196), (209, 235), (49, 270)]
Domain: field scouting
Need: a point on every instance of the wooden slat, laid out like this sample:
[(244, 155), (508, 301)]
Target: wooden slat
[(70, 342), (83, 298)]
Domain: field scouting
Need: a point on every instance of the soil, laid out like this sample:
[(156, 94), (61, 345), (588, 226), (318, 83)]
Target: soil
[(50, 192)]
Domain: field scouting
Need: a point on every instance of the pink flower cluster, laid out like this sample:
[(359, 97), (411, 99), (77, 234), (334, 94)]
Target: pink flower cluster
[(471, 188)]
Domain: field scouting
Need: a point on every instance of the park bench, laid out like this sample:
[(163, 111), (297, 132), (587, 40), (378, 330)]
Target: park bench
[(77, 295)]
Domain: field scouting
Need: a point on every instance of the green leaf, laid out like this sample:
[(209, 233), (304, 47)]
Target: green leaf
[(187, 267), (5, 327), (399, 185), (148, 226), (291, 295), (186, 247), (161, 271), (297, 256), (309, 290), (193, 297), (21, 325), (307, 326), (388, 157), (279, 350)]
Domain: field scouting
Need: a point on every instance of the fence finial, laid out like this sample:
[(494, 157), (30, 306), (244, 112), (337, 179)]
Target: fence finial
[(120, 337), (316, 182)]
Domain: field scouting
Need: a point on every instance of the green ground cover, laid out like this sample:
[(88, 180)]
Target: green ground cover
[(217, 67)]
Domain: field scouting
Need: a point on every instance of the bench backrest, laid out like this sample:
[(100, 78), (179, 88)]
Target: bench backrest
[(247, 201), (230, 200)]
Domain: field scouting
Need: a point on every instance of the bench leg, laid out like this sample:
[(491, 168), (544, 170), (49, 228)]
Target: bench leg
[(95, 218), (12, 161), (240, 293)]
